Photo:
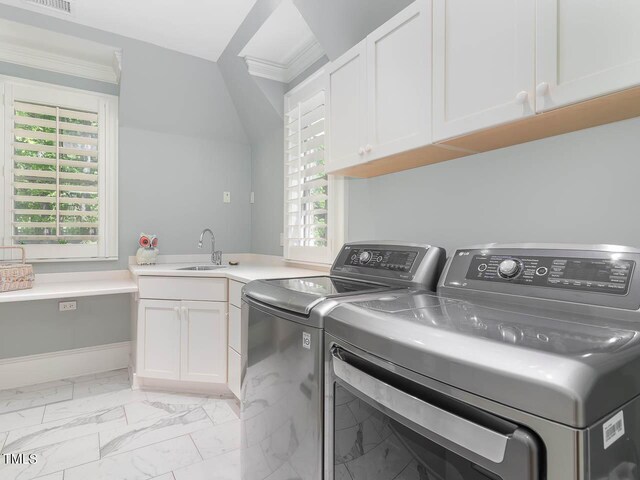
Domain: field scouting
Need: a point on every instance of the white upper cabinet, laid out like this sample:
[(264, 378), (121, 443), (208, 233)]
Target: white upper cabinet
[(483, 64), (585, 48), (378, 93), (346, 108), (399, 83)]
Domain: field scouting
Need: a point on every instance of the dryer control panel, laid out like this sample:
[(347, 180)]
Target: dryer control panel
[(603, 276)]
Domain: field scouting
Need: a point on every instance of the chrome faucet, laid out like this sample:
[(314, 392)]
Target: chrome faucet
[(216, 255)]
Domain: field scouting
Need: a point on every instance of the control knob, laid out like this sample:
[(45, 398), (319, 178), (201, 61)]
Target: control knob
[(509, 268), (511, 334), (365, 257)]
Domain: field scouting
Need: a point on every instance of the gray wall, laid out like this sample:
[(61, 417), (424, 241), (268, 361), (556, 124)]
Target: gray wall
[(181, 145), (251, 96), (29, 328), (260, 105), (175, 113), (267, 214), (579, 187)]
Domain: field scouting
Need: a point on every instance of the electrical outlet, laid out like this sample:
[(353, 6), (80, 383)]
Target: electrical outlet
[(67, 306), (226, 197)]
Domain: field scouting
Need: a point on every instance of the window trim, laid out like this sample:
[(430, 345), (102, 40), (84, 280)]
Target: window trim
[(336, 219), (107, 107)]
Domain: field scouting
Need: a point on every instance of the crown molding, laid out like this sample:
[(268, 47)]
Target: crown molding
[(284, 73), (265, 69), (117, 64), (43, 60)]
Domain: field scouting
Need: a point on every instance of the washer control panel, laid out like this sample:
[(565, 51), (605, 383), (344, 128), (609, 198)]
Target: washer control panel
[(602, 275), (405, 264), (383, 259)]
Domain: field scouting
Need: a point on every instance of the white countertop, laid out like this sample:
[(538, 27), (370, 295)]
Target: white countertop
[(88, 284), (245, 272), (71, 285)]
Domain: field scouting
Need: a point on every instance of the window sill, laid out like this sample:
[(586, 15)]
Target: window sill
[(308, 265)]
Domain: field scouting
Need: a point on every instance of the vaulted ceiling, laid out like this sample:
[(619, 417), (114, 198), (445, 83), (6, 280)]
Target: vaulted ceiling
[(201, 28), (204, 28)]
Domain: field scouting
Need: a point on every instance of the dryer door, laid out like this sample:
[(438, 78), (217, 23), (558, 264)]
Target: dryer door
[(382, 426)]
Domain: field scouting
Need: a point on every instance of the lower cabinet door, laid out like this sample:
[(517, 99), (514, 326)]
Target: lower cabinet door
[(158, 349), (204, 342), (235, 328)]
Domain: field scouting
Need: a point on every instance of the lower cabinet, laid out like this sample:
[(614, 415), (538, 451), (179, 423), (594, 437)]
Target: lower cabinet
[(235, 371), (182, 340), (159, 339), (238, 326), (203, 342)]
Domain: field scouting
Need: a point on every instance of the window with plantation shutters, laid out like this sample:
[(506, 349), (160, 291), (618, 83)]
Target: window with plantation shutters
[(59, 172), (313, 200)]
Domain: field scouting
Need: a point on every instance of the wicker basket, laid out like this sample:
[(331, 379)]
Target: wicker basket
[(15, 276)]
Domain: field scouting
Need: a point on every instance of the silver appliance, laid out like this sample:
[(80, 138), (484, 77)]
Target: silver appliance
[(524, 366), (282, 378)]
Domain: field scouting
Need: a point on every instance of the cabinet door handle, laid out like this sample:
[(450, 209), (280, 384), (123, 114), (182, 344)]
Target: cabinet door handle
[(542, 88), (522, 97), (361, 151), (368, 148)]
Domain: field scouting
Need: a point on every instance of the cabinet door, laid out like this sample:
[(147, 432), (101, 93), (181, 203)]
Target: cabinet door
[(235, 328), (585, 48), (484, 59), (204, 342), (346, 109), (399, 83), (235, 366), (158, 342), (235, 293)]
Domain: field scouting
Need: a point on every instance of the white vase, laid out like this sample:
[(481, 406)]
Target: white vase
[(147, 256)]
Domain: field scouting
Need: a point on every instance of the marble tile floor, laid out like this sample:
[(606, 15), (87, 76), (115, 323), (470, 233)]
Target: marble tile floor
[(96, 428)]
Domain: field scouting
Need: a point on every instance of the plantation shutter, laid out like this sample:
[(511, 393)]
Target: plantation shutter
[(55, 175), (306, 183)]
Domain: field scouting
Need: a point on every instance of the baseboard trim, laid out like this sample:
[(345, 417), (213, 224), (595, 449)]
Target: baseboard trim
[(47, 367), (218, 389)]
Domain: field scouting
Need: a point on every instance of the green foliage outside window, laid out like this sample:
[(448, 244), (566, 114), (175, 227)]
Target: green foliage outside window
[(31, 141)]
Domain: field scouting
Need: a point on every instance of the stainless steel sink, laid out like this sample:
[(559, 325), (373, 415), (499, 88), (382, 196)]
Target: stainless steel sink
[(200, 268)]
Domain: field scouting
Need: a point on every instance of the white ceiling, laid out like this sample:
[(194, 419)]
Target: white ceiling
[(283, 46), (281, 36), (201, 28)]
